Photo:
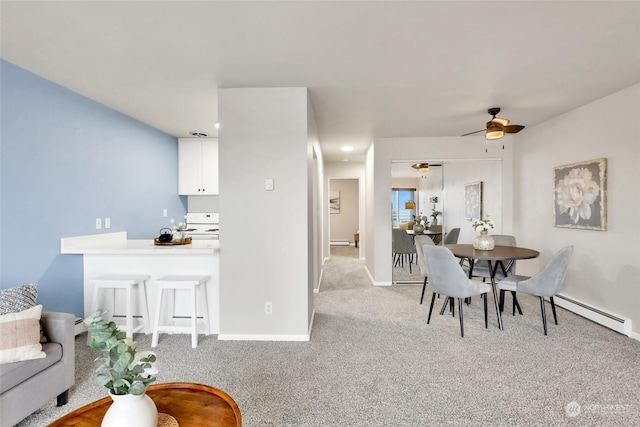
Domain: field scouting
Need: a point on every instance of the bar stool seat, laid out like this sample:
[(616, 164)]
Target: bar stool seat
[(126, 282), (192, 284)]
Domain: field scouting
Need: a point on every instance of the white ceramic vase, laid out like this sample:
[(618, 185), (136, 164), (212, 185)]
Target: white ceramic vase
[(131, 410), (484, 242)]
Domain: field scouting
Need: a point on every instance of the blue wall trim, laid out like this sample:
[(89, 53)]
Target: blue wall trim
[(66, 160)]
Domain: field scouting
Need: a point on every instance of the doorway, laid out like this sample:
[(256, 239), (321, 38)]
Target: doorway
[(344, 211)]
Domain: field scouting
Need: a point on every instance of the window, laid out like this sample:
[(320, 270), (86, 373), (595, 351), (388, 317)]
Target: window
[(400, 196)]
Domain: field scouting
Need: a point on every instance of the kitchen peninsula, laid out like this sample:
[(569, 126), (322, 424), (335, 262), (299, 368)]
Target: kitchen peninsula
[(113, 253)]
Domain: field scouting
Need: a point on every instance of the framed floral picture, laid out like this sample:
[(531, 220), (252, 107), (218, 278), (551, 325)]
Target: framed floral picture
[(473, 200), (580, 195), (334, 202)]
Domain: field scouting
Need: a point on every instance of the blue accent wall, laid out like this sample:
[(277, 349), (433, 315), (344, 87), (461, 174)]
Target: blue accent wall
[(66, 160)]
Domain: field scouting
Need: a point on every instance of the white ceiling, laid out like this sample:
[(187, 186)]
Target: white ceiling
[(373, 69)]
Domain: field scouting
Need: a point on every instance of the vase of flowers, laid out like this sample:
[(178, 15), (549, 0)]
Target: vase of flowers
[(125, 372), (434, 214), (483, 241), (420, 224), (179, 229)]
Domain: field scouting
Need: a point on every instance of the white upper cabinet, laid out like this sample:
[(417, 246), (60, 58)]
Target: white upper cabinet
[(197, 166)]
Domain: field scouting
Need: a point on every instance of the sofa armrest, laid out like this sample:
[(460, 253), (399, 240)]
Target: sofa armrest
[(60, 328)]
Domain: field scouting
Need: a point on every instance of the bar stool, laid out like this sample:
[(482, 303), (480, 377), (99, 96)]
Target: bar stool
[(126, 282), (190, 283)]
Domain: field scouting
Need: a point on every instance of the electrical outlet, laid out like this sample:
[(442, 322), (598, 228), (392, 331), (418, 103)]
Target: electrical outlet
[(107, 223), (268, 308), (164, 212), (98, 223)]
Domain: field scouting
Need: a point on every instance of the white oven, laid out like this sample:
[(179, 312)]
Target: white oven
[(203, 225)]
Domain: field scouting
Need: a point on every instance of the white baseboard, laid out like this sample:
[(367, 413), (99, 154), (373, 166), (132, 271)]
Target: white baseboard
[(595, 314), (373, 282), (254, 337)]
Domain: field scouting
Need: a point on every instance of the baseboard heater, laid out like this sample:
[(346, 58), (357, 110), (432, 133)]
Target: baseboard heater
[(79, 326), (598, 315), (339, 243)]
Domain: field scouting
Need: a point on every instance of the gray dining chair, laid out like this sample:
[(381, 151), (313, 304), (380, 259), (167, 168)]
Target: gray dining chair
[(546, 283), (402, 247), (420, 241), (481, 269), (447, 278), (451, 237), (437, 239)]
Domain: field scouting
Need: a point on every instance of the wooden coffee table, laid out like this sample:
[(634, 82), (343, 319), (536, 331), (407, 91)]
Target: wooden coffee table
[(192, 405)]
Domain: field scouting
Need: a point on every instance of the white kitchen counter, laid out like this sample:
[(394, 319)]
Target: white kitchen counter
[(117, 243), (113, 253)]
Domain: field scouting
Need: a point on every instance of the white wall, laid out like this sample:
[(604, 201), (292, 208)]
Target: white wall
[(343, 225), (456, 176), (378, 169), (605, 268), (264, 240)]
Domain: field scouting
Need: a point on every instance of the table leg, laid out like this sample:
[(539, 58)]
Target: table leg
[(492, 271)]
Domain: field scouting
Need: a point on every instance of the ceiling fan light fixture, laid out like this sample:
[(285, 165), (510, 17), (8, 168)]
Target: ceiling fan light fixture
[(422, 167), (494, 133), (500, 121)]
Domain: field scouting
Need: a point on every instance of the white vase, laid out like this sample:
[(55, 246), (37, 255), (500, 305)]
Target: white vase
[(131, 410), (484, 242)]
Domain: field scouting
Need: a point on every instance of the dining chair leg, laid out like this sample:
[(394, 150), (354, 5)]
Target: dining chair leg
[(553, 309), (461, 321), (433, 299), (501, 300), (444, 305), (424, 287), (486, 317), (544, 315), (516, 304), (452, 304)]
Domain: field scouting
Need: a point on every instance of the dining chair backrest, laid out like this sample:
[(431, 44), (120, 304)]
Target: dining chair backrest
[(445, 275), (548, 281), (420, 241), (504, 239), (452, 237), (401, 242)]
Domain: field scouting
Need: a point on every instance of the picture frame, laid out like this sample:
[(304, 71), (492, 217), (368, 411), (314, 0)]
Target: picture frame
[(334, 202), (473, 200), (580, 195)]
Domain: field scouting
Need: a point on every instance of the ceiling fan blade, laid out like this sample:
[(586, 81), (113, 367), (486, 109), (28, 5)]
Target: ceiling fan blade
[(512, 128), (471, 133)]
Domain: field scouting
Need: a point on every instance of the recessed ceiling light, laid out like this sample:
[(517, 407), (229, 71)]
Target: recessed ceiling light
[(217, 125), (345, 160), (346, 148), (198, 134)]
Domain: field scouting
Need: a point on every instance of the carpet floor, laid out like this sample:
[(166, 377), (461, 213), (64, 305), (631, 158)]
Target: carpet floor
[(373, 361)]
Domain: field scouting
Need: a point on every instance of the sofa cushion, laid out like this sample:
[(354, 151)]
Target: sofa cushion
[(20, 298), (12, 374), (20, 336)]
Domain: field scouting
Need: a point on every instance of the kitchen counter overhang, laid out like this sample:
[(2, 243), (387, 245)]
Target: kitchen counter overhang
[(117, 244)]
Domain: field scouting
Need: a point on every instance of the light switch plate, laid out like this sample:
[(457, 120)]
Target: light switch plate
[(268, 184)]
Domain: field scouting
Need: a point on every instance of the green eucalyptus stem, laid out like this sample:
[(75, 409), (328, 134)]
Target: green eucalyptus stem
[(119, 371)]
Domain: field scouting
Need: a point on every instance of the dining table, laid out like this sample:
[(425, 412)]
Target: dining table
[(496, 258)]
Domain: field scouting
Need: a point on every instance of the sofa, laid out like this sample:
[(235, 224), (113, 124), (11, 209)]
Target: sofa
[(27, 386)]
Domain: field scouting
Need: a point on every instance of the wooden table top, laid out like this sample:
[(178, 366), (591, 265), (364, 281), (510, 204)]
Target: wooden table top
[(499, 253), (192, 405)]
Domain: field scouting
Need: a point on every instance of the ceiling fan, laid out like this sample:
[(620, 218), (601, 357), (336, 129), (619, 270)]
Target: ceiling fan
[(497, 127)]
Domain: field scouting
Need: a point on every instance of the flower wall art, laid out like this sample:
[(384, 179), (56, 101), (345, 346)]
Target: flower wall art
[(579, 196), (473, 200)]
